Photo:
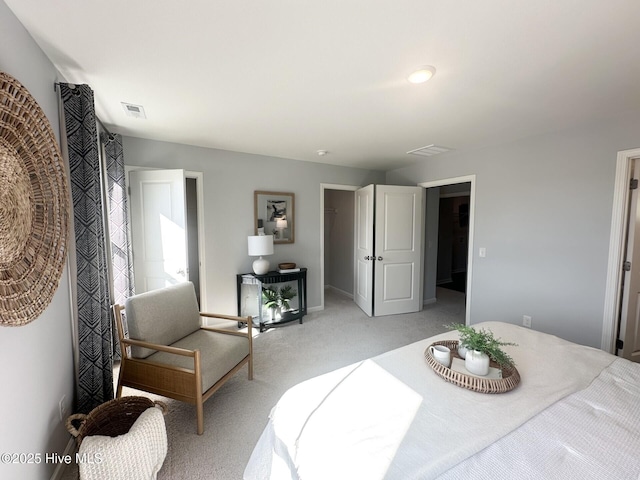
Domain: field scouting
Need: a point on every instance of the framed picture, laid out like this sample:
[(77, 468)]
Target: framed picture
[(274, 215)]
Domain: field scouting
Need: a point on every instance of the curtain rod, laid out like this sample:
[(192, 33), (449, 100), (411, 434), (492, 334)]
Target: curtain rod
[(70, 85)]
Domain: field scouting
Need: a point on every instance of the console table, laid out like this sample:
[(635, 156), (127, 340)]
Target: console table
[(271, 278)]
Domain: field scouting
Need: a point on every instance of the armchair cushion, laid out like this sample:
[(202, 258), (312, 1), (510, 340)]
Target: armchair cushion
[(162, 316), (219, 353)]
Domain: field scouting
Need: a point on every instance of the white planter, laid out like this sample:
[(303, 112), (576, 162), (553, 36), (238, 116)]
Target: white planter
[(462, 351), (477, 362)]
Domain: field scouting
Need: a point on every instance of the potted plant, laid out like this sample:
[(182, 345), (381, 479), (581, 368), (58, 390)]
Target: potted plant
[(277, 300), (481, 346)]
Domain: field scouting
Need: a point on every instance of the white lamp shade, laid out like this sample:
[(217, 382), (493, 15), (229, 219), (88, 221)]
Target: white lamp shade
[(260, 245), (281, 223)]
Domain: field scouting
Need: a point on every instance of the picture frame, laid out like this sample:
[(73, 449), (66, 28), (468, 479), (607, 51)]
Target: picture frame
[(274, 215)]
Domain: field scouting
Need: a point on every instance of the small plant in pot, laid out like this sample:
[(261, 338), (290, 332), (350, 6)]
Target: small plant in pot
[(481, 346), (277, 300)]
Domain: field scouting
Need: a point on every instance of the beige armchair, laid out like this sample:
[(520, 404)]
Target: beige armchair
[(166, 351)]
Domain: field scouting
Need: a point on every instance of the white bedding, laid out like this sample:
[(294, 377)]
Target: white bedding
[(592, 434), (392, 417)]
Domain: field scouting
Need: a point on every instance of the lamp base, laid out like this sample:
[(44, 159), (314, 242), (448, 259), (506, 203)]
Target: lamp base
[(260, 266)]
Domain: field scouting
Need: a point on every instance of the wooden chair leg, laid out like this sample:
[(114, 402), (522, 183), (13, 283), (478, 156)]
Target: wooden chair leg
[(200, 415), (119, 387)]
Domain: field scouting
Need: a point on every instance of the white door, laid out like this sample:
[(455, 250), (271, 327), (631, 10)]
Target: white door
[(158, 228), (630, 311), (388, 249), (363, 268), (398, 250)]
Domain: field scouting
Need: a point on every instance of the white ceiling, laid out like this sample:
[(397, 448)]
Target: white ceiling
[(289, 77)]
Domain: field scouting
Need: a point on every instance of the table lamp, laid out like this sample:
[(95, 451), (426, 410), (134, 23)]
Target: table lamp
[(260, 245)]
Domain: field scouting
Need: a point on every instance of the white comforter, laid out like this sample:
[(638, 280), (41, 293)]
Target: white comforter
[(392, 417)]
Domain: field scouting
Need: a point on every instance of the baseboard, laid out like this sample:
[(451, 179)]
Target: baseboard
[(314, 309), (337, 290), (60, 466), (446, 280), (430, 301)]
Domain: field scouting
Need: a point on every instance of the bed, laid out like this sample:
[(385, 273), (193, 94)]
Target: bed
[(575, 414)]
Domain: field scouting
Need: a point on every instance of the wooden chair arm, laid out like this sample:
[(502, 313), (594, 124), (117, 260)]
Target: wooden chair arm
[(226, 332), (225, 317), (247, 320), (162, 348)]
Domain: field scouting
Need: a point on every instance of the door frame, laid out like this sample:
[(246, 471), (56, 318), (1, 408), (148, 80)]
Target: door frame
[(472, 213), (199, 177), (617, 245), (323, 187)]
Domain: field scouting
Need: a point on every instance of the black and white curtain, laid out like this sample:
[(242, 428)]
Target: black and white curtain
[(121, 256), (94, 329)]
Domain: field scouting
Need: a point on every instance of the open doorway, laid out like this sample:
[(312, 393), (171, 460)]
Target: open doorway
[(182, 236), (193, 240), (450, 206), (620, 324), (337, 203), (453, 237)]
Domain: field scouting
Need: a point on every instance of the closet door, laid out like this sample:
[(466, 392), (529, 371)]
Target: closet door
[(399, 237), (363, 269), (158, 228), (388, 249), (630, 306)]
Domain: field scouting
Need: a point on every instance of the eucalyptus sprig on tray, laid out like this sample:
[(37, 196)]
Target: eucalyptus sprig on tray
[(484, 341)]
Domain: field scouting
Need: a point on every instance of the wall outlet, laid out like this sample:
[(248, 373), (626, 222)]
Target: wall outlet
[(526, 321), (62, 406)]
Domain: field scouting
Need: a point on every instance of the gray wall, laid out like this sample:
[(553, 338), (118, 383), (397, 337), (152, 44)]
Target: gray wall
[(230, 178), (36, 363), (543, 212), (338, 238)]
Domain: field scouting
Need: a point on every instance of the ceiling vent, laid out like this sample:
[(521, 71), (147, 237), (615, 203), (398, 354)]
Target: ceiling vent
[(429, 150), (135, 111)]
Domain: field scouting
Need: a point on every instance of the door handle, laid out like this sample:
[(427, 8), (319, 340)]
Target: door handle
[(379, 259), (372, 258)]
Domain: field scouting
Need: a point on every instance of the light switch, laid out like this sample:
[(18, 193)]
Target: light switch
[(482, 252)]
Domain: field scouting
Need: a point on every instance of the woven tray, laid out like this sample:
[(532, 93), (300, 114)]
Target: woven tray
[(510, 375)]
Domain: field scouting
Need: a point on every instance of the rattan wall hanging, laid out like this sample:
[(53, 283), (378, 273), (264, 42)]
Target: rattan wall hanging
[(34, 206)]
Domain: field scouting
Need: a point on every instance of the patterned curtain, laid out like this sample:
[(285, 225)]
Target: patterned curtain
[(121, 256), (95, 362)]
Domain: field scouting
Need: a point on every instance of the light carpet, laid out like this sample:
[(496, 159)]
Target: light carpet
[(235, 416)]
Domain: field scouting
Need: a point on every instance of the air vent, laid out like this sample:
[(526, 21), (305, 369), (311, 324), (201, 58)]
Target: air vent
[(429, 150), (135, 111)]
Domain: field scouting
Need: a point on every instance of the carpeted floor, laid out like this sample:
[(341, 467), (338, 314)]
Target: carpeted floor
[(236, 415)]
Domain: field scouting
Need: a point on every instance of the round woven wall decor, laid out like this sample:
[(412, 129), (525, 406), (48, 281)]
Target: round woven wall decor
[(34, 207)]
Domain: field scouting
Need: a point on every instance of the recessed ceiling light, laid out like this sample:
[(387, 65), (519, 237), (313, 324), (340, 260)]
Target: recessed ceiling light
[(422, 74), (322, 153)]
